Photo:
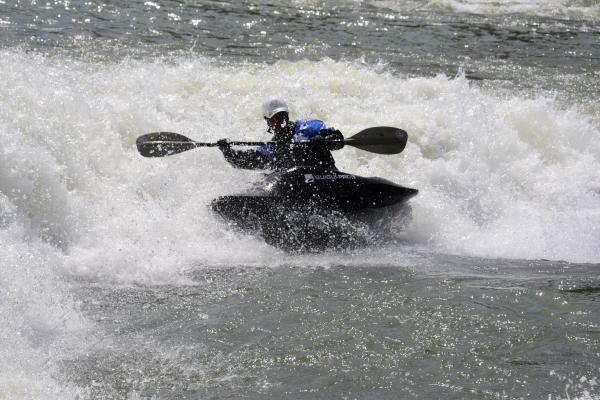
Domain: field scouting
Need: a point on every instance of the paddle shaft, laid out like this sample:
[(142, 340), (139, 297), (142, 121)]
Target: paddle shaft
[(380, 140), (202, 144)]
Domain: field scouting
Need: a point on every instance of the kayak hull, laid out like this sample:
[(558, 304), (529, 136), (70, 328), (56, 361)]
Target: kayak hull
[(310, 208)]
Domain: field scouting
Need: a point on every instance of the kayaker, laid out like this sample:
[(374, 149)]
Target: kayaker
[(282, 152)]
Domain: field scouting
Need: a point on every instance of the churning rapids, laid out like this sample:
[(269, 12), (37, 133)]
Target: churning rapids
[(118, 281)]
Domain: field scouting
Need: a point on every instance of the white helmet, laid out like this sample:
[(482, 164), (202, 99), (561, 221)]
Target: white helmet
[(273, 106)]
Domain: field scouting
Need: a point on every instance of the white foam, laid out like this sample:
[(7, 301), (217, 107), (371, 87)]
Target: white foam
[(38, 320), (500, 176), (581, 9)]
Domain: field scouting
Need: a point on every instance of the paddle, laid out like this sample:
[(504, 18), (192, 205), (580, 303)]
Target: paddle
[(380, 140), (160, 144)]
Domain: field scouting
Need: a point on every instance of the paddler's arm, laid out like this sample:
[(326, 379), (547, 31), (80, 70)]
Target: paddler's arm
[(246, 159)]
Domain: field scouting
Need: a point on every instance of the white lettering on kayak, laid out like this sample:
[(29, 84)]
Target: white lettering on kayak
[(310, 178)]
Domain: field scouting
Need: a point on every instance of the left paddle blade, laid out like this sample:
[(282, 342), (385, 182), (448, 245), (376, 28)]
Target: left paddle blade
[(160, 144)]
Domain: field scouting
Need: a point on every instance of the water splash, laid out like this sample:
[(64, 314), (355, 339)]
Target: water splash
[(500, 175)]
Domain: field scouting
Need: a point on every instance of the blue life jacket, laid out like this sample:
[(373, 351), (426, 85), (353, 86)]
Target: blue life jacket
[(304, 129)]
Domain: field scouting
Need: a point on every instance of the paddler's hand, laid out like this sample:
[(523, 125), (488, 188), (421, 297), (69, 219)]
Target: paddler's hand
[(224, 145), (332, 139)]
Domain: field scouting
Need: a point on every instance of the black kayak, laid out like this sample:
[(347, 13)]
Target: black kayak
[(294, 209)]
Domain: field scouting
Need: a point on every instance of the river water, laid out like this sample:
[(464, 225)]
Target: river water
[(118, 282)]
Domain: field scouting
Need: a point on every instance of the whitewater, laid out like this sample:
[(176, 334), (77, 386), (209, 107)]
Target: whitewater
[(118, 281), (499, 175)]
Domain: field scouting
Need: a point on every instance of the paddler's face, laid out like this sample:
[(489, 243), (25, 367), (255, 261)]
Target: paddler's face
[(277, 121)]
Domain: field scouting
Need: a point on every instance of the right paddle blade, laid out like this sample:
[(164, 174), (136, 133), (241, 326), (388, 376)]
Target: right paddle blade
[(160, 144), (380, 140)]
